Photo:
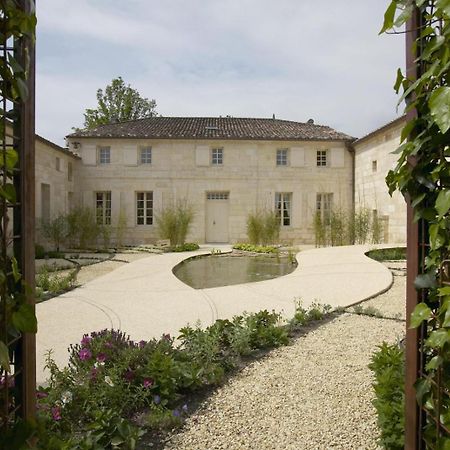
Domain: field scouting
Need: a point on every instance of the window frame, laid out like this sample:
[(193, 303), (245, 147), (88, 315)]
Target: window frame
[(283, 208), (324, 206), (148, 159), (322, 159), (282, 157), (103, 207), (147, 211), (217, 156), (102, 160)]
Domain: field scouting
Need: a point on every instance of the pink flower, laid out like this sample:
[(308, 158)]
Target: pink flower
[(101, 357), (41, 394), (142, 344), (148, 382), (56, 413), (86, 340), (129, 375), (85, 354), (166, 337)]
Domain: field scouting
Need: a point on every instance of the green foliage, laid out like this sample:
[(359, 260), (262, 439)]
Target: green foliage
[(55, 230), (39, 251), (119, 102), (173, 222), (367, 311), (388, 254), (387, 365), (54, 283), (83, 229), (263, 227), (186, 247), (422, 176), (255, 248), (303, 316), (121, 226)]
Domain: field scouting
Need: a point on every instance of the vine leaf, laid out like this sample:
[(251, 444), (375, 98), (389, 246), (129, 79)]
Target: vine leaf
[(421, 312), (444, 5), (439, 104), (24, 319), (438, 338), (4, 357), (446, 308), (389, 17), (422, 386), (443, 203), (434, 363)]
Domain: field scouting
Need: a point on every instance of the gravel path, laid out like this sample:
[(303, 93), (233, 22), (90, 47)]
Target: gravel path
[(314, 394)]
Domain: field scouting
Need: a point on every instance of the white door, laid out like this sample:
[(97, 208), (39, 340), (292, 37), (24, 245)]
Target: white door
[(217, 217)]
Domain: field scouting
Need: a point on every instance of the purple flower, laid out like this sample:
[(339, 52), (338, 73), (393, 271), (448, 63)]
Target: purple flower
[(184, 408), (157, 399), (101, 357), (166, 337), (41, 394), (176, 413), (148, 382), (56, 413), (129, 375), (94, 373), (86, 340), (142, 344), (84, 354), (108, 344)]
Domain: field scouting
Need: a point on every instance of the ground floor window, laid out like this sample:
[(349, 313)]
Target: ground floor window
[(144, 208), (283, 206), (324, 206), (103, 207)]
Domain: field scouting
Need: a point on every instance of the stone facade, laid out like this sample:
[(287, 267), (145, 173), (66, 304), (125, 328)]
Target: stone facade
[(373, 160), (182, 170)]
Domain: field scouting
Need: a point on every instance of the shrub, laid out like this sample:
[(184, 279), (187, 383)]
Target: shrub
[(314, 312), (255, 248), (387, 364), (361, 225), (186, 247), (121, 226), (39, 251), (388, 254), (174, 222), (55, 283), (55, 230), (263, 227), (83, 227)]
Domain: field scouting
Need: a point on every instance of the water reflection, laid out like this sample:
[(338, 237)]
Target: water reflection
[(213, 271)]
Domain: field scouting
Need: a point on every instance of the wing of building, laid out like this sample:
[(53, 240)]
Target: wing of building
[(224, 167)]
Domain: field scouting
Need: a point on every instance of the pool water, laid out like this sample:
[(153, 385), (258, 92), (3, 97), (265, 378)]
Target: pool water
[(213, 270)]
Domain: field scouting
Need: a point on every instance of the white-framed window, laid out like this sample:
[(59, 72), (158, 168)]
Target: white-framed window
[(145, 155), (217, 156), (374, 166), (103, 207), (283, 207), (322, 158), (324, 206), (58, 164), (282, 157), (144, 208), (104, 155)]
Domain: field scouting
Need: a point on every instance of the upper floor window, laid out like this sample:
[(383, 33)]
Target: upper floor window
[(104, 155), (282, 157), (144, 208), (283, 207), (374, 166), (103, 207), (69, 171), (324, 206), (58, 164), (146, 155), (217, 156), (322, 158)]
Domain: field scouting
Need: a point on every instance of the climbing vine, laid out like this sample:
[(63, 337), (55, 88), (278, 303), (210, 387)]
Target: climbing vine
[(423, 176), (16, 315)]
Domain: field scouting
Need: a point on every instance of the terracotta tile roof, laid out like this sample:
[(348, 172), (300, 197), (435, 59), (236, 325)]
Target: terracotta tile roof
[(214, 128), (386, 126)]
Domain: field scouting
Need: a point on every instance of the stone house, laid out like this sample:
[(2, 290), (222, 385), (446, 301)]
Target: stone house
[(224, 167), (374, 158)]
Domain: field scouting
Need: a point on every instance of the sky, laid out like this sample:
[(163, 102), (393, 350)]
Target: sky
[(296, 59)]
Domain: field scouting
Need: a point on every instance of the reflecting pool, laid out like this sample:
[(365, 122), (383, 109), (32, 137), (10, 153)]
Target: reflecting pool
[(221, 270)]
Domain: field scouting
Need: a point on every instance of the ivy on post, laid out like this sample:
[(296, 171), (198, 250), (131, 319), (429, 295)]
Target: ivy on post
[(423, 176), (17, 317)]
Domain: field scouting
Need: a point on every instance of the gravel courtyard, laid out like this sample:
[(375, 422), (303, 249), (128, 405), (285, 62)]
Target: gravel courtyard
[(314, 394)]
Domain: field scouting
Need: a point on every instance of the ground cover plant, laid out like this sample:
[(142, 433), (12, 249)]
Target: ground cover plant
[(50, 283), (388, 367), (388, 254), (255, 248), (186, 247), (115, 389)]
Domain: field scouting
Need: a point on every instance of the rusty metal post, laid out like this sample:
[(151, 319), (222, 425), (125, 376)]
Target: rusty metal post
[(412, 412)]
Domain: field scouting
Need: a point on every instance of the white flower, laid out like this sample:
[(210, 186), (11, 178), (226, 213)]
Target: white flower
[(109, 381), (66, 397)]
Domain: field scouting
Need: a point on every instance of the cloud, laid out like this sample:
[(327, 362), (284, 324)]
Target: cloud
[(240, 57)]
